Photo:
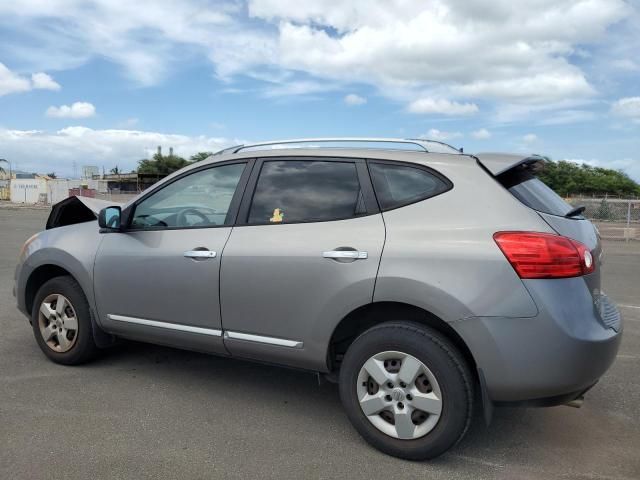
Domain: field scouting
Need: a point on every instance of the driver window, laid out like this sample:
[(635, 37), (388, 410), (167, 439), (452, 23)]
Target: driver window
[(200, 199)]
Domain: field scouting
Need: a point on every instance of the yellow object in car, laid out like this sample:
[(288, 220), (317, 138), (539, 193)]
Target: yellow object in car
[(277, 216)]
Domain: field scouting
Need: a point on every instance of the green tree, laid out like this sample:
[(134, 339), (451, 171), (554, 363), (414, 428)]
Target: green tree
[(568, 178), (198, 157), (52, 175), (161, 164), (115, 170)]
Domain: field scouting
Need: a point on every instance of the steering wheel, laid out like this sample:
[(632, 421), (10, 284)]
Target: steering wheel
[(181, 218)]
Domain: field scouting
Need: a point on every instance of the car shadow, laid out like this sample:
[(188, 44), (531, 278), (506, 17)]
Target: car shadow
[(271, 387)]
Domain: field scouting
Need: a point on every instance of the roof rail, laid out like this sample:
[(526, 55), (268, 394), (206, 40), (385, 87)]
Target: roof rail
[(424, 144), (224, 150)]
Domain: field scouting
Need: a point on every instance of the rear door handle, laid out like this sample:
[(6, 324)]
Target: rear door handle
[(200, 254), (354, 254)]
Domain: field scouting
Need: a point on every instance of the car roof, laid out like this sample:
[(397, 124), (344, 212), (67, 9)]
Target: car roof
[(388, 149), (403, 149), (419, 144), (354, 147)]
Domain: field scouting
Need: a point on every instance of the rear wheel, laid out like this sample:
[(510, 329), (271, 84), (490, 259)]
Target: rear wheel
[(407, 390), (61, 321)]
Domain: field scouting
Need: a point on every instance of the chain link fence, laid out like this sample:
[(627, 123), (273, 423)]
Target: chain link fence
[(617, 210), (616, 218)]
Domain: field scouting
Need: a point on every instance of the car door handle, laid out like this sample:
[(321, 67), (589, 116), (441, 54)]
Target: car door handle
[(354, 254), (200, 254)]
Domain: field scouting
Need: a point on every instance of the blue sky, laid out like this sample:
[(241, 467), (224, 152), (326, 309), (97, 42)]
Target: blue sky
[(103, 82)]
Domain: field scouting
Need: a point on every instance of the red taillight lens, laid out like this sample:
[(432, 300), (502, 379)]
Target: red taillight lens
[(543, 255)]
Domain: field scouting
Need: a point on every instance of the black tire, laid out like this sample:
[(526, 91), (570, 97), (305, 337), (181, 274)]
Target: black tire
[(446, 363), (84, 348)]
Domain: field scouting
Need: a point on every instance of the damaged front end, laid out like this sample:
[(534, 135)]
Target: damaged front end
[(76, 210)]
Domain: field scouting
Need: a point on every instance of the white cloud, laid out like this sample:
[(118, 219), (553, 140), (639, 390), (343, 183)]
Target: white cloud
[(354, 99), (306, 88), (11, 82), (76, 110), (435, 134), (43, 81), (626, 65), (146, 41), (627, 107), (441, 106), (464, 49), (481, 134), (564, 117), (87, 146), (530, 138)]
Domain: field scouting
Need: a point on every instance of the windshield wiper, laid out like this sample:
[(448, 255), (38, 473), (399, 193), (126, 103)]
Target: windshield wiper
[(574, 212)]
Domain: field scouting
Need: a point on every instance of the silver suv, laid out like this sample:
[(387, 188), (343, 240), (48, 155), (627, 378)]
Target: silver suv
[(427, 282)]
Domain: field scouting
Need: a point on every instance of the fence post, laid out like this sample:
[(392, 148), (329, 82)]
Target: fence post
[(629, 214)]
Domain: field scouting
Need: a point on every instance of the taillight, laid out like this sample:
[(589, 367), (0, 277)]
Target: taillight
[(544, 255)]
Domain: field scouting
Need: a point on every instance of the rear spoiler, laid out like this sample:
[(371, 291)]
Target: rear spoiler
[(498, 163)]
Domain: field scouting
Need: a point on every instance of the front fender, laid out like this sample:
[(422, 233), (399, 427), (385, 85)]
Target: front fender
[(72, 248)]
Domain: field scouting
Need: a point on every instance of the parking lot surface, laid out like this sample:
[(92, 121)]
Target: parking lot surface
[(143, 411)]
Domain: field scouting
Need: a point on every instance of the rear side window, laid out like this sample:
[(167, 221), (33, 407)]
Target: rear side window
[(398, 185), (534, 193), (292, 191)]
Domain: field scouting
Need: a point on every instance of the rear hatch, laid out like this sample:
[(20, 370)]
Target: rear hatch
[(518, 175)]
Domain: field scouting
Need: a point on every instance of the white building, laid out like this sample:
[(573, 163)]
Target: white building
[(29, 190), (45, 190)]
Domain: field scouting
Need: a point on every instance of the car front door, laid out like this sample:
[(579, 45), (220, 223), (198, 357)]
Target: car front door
[(305, 252), (157, 280)]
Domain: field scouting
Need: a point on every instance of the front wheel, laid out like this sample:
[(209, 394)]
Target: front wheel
[(61, 321), (407, 390)]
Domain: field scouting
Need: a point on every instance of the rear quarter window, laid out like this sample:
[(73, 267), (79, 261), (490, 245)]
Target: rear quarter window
[(533, 192), (397, 185)]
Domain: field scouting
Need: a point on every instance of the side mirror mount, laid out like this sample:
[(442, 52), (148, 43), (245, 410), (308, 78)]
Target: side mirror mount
[(109, 219)]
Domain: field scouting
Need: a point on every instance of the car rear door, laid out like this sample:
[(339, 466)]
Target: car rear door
[(157, 281), (305, 253)]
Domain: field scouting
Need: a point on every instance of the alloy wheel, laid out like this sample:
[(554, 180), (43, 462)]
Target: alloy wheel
[(58, 323), (399, 395)]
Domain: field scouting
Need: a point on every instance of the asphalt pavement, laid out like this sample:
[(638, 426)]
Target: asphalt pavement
[(143, 411)]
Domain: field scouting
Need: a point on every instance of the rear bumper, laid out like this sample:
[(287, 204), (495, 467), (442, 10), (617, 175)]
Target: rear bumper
[(560, 353)]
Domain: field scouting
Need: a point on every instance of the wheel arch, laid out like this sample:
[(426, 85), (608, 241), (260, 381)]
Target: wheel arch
[(45, 272), (369, 315), (366, 316), (38, 277)]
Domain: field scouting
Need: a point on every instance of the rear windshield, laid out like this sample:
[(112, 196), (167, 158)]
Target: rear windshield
[(531, 191)]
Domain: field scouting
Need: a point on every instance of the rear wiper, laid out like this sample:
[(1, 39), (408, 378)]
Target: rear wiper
[(574, 212)]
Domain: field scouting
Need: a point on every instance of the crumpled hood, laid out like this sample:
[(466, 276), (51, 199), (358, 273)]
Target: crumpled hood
[(77, 210)]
